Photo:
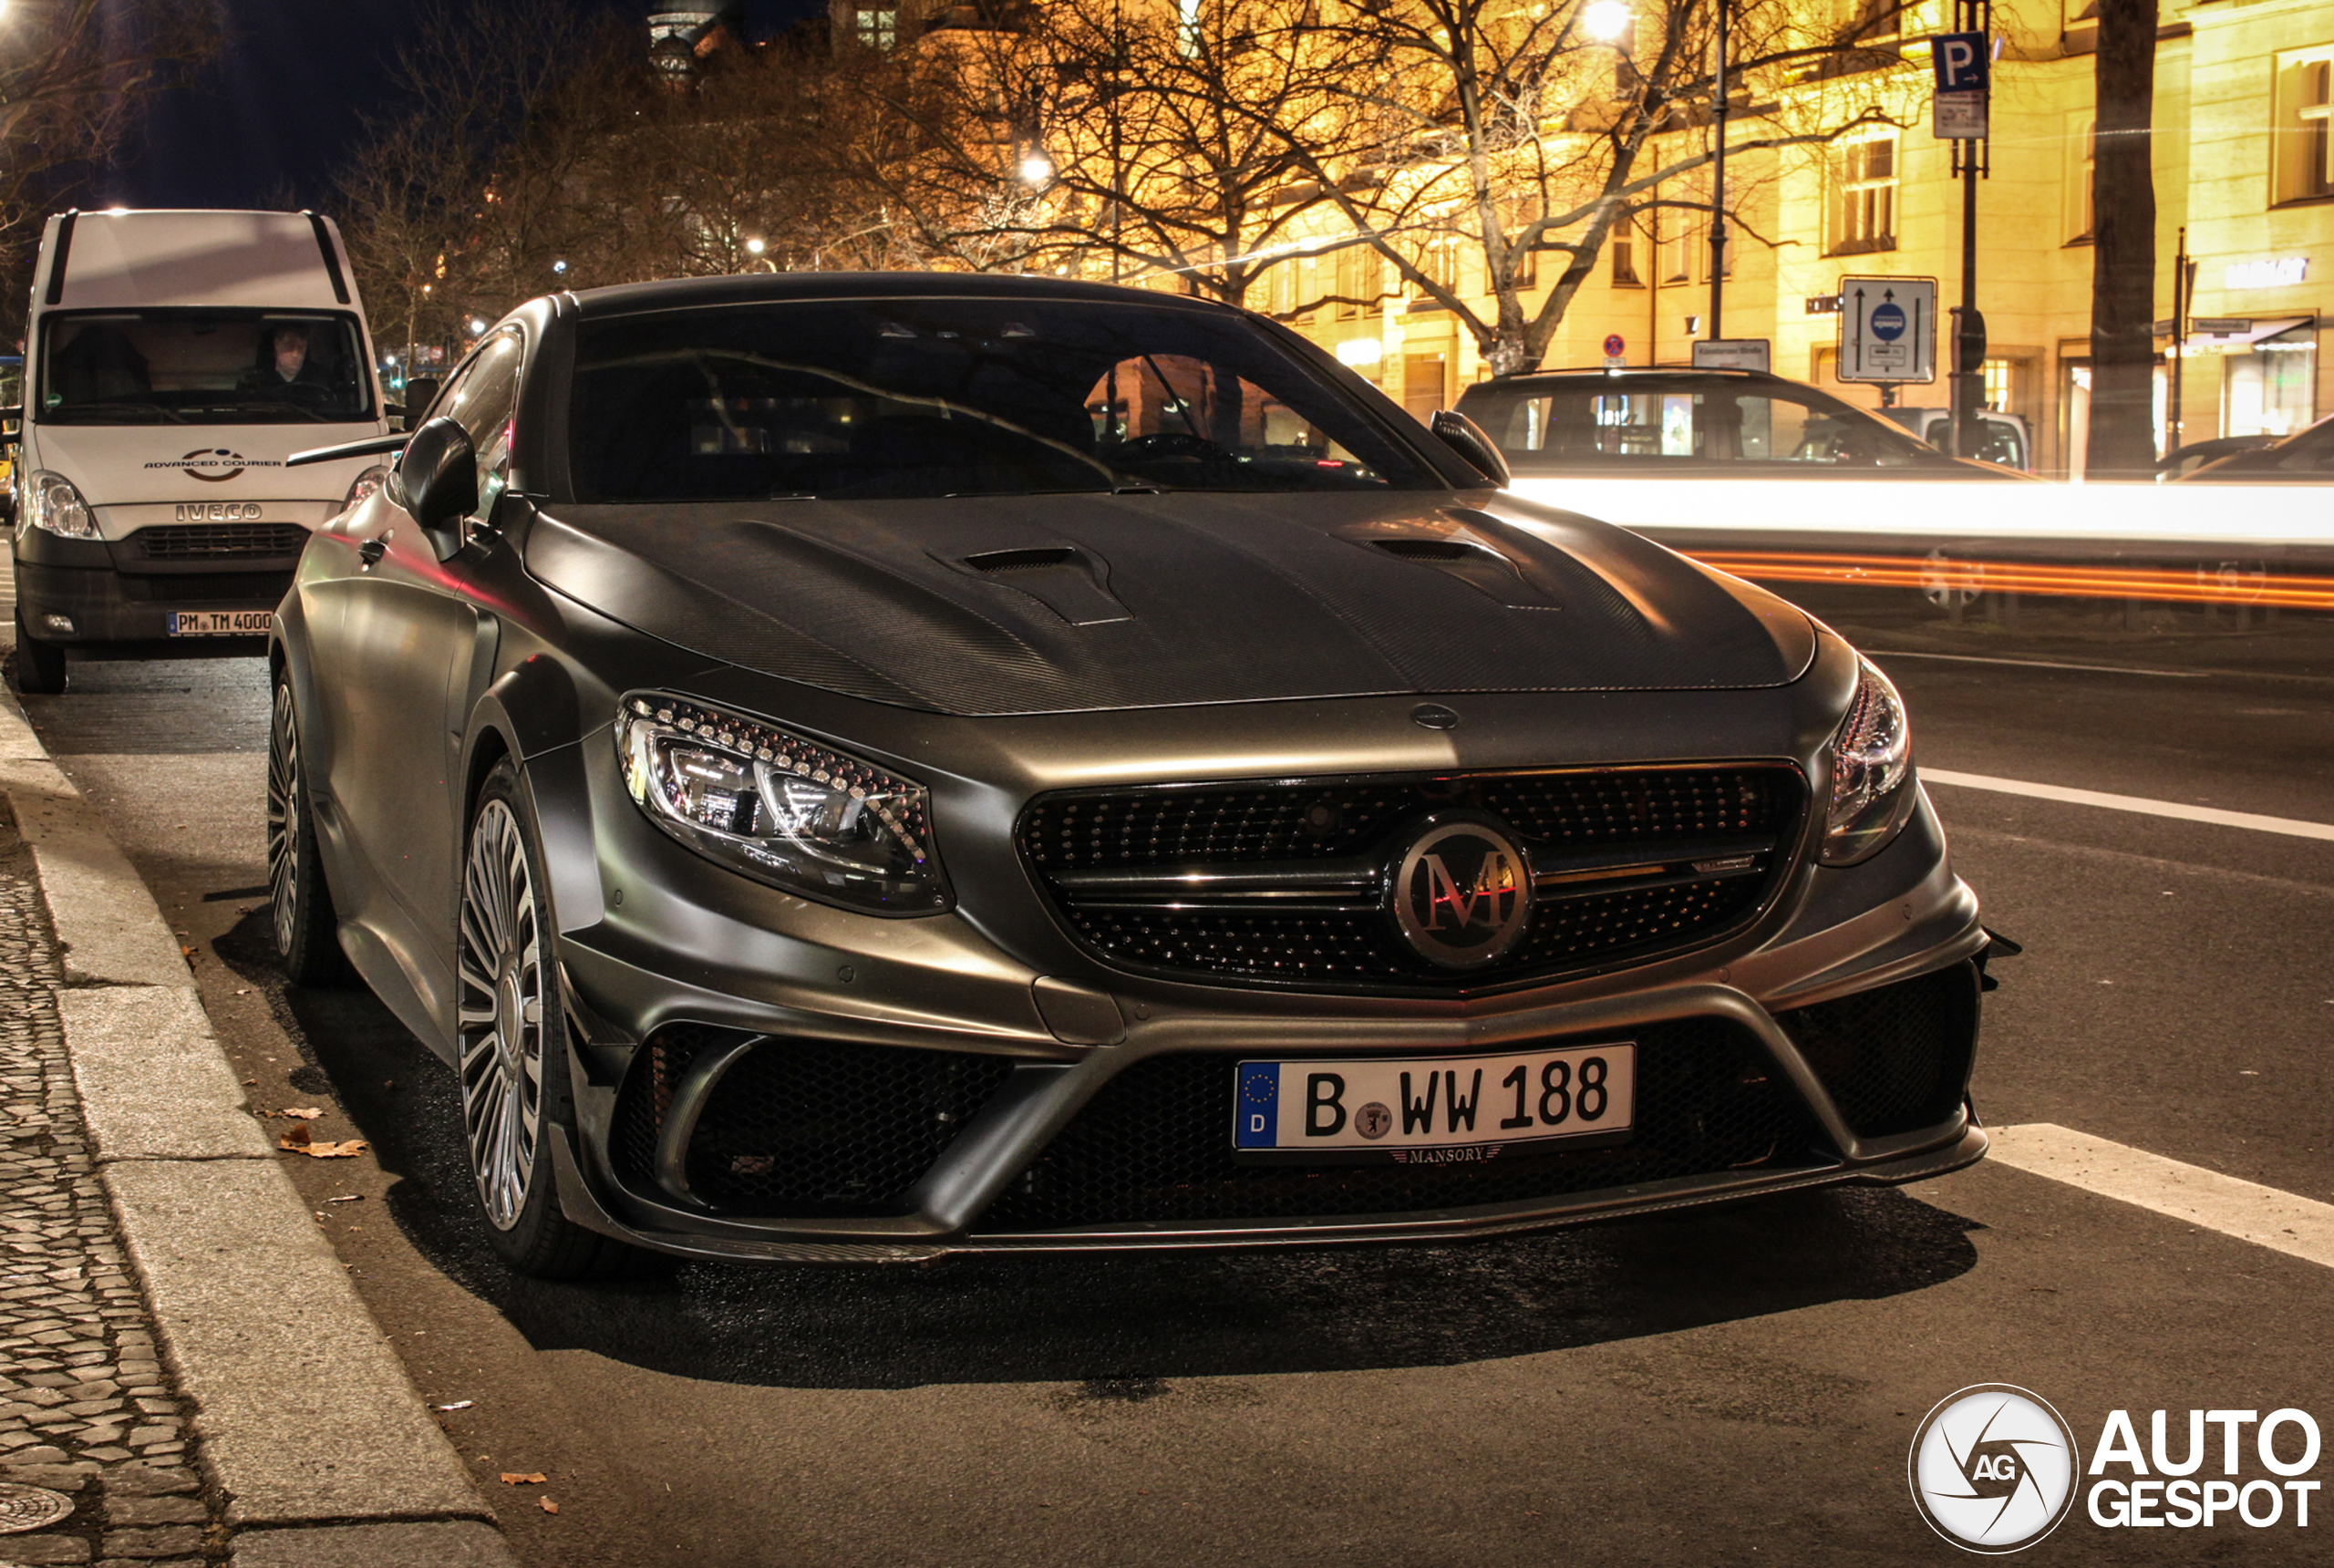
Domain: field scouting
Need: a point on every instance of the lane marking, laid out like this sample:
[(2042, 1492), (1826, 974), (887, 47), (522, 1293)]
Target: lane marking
[(2291, 827), (2044, 665), (2282, 1221)]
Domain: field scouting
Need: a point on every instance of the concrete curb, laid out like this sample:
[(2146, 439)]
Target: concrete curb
[(306, 1419)]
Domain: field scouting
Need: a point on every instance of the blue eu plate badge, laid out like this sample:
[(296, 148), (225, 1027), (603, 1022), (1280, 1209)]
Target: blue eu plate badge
[(1259, 1106)]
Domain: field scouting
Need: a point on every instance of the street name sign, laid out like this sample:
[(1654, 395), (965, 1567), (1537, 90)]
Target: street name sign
[(1888, 329), (1733, 354)]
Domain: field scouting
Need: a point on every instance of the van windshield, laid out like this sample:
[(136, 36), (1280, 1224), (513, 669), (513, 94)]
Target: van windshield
[(201, 367)]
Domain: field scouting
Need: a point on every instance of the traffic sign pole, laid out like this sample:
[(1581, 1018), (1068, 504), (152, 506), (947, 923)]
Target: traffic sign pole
[(1962, 59)]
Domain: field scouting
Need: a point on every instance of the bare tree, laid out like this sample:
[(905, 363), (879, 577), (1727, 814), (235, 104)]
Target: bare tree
[(2123, 256), (1134, 140), (1504, 134), (75, 77)]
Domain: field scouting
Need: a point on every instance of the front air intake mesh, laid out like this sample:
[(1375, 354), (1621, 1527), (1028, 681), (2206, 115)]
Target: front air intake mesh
[(1896, 1059), (220, 540), (802, 1127)]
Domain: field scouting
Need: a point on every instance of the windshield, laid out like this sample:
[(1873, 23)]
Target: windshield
[(920, 397), (202, 367), (1596, 423)]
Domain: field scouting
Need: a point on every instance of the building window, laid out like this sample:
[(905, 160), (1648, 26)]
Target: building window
[(2082, 167), (1864, 196), (2306, 127), (1623, 245), (876, 27), (1360, 283), (1438, 259)]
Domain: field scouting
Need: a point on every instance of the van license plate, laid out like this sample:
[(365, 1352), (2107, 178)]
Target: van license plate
[(222, 623), (1433, 1110)]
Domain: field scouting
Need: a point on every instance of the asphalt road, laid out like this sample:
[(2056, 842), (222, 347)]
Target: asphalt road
[(1736, 1388)]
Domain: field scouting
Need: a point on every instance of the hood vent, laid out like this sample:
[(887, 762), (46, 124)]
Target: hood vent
[(1481, 566), (996, 561), (1067, 581)]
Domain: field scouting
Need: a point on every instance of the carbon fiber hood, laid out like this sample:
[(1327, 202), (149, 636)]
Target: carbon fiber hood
[(1078, 603)]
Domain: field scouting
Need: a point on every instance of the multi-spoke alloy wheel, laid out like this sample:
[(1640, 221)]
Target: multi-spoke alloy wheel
[(499, 1013), (300, 907)]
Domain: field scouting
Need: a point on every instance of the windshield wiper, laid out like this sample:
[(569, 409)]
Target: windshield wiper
[(67, 413), (308, 413)]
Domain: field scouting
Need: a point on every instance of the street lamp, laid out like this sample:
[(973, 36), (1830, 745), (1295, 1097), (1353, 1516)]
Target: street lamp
[(555, 266), (1037, 168), (476, 326), (1606, 20)]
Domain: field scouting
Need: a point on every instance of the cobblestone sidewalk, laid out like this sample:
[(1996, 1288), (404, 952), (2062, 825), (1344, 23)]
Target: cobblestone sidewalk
[(87, 1409)]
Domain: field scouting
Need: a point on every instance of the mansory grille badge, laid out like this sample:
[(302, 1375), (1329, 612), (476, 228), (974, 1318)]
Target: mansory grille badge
[(1462, 893)]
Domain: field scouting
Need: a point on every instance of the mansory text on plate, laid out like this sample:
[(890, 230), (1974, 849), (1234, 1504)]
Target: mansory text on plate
[(872, 767)]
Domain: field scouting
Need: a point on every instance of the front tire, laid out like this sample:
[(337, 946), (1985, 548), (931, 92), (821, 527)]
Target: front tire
[(40, 666), (511, 1049), (301, 916)]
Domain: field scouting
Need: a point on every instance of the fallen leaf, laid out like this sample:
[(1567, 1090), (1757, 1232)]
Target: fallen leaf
[(302, 1112), (295, 1140), (516, 1478), (186, 952), (250, 1083), (547, 1505)]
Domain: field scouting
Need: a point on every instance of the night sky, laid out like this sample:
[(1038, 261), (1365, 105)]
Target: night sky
[(283, 107)]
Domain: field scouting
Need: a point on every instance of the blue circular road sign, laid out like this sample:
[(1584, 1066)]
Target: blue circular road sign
[(1888, 323)]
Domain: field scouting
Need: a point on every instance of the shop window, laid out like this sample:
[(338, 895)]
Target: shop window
[(1864, 196), (2270, 391)]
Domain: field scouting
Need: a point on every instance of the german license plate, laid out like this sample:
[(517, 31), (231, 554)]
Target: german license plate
[(222, 623), (1432, 1111)]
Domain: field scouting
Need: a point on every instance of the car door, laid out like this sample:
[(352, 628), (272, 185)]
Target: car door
[(411, 634)]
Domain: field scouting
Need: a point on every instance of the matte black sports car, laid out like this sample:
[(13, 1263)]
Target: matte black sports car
[(862, 767)]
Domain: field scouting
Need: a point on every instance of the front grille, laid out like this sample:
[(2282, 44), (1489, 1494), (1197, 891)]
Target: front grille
[(802, 1127), (1348, 942), (1155, 1144), (220, 540), (1895, 1058)]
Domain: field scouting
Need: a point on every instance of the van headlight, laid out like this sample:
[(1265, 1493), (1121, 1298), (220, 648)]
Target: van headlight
[(779, 809), (1873, 794), (51, 502), (366, 483)]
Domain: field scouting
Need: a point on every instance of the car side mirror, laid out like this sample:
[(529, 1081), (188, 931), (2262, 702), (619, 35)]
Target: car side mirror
[(1467, 439), (436, 482), (421, 391)]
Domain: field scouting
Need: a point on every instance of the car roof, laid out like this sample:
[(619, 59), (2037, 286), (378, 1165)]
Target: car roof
[(1636, 372), (752, 288)]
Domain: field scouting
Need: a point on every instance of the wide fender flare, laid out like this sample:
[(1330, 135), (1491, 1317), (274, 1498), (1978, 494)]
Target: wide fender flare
[(530, 714)]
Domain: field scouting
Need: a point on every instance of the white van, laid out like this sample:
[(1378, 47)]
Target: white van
[(172, 361)]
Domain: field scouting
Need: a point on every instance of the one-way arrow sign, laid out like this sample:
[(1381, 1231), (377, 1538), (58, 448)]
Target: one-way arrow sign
[(1888, 329)]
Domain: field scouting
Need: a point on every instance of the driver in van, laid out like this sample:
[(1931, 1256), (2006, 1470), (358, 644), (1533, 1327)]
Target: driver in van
[(285, 370)]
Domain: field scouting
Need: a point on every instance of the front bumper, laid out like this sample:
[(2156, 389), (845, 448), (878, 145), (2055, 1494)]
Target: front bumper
[(718, 1030), (107, 606)]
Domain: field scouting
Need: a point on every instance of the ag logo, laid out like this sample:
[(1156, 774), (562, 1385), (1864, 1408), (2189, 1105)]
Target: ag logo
[(1993, 1469), (1462, 892)]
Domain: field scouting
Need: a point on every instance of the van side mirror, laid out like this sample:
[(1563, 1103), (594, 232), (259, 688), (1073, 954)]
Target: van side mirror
[(1467, 439), (421, 391), (436, 482)]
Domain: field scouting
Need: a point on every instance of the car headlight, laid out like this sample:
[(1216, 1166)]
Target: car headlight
[(779, 809), (52, 502), (361, 490), (1871, 772)]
